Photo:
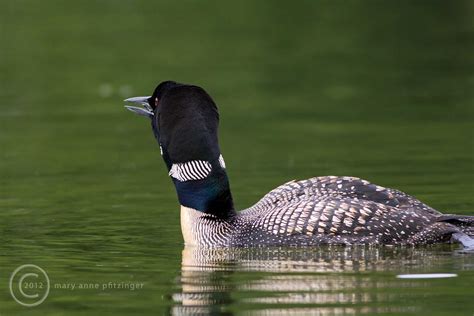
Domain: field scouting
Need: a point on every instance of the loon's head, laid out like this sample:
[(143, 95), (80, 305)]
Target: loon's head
[(185, 121)]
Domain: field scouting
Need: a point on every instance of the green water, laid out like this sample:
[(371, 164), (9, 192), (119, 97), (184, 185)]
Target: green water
[(375, 89)]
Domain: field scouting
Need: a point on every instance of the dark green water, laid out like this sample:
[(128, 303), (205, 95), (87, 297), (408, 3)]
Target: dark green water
[(379, 90)]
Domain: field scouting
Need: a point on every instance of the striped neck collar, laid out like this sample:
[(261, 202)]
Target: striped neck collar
[(193, 170)]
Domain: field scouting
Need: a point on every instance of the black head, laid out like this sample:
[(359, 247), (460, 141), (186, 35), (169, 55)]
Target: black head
[(185, 123), (184, 120)]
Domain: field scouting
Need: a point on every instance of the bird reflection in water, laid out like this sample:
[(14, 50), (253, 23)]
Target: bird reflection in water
[(301, 281)]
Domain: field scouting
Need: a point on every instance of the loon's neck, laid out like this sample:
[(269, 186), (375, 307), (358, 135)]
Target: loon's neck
[(210, 195)]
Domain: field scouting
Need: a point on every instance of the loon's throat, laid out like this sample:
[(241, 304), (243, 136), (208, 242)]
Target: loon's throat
[(203, 186)]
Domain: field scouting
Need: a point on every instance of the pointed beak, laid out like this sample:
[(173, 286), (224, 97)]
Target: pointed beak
[(144, 109)]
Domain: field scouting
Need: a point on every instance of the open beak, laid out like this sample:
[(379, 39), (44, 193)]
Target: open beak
[(144, 110)]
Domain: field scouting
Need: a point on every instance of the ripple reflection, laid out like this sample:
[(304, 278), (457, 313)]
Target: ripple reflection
[(301, 281)]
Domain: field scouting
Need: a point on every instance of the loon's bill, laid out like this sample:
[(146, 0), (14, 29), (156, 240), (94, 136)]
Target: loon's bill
[(145, 110)]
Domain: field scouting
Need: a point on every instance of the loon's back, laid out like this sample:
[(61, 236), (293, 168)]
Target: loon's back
[(343, 210)]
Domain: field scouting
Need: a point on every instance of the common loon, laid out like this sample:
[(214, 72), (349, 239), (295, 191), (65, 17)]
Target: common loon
[(321, 210)]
